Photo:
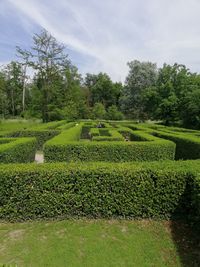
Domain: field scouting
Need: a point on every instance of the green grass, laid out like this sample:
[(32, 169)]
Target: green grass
[(16, 125), (93, 243)]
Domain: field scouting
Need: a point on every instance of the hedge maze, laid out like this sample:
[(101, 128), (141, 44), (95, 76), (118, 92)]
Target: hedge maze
[(119, 169)]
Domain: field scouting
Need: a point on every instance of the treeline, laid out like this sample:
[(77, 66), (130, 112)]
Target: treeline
[(56, 90)]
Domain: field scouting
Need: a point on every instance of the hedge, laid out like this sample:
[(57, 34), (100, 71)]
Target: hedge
[(66, 136), (107, 134), (41, 135), (66, 147), (187, 145), (109, 151), (150, 190), (195, 198), (15, 150), (187, 141)]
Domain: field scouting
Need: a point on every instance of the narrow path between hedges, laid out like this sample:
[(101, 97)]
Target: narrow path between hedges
[(39, 157)]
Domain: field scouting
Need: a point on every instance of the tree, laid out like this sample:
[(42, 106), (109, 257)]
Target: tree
[(14, 87), (48, 59), (164, 101), (114, 114), (3, 96), (141, 76), (99, 111), (24, 56), (102, 89), (191, 109)]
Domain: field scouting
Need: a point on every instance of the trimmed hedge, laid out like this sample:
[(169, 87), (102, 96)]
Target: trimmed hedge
[(187, 141), (107, 134), (108, 151), (187, 145), (66, 136), (41, 135), (66, 147), (150, 190), (17, 150), (195, 199)]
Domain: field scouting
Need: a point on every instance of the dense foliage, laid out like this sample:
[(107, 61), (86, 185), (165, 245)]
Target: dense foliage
[(17, 150), (155, 190), (107, 144), (57, 91)]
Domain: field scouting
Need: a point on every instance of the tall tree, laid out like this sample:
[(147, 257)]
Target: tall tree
[(13, 74), (24, 56), (102, 89), (3, 96), (141, 76), (164, 101), (47, 58)]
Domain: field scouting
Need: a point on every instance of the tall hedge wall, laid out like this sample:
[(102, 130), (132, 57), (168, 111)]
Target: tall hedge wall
[(187, 146), (139, 190), (17, 150)]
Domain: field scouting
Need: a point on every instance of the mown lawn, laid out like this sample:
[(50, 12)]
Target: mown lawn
[(17, 125), (96, 243)]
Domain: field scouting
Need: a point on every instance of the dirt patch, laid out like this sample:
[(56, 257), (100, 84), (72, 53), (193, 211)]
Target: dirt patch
[(39, 157), (61, 233), (16, 234), (124, 229)]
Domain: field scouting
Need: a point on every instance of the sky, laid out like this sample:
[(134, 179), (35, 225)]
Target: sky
[(103, 35)]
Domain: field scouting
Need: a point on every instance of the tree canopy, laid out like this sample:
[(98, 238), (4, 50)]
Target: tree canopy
[(56, 90)]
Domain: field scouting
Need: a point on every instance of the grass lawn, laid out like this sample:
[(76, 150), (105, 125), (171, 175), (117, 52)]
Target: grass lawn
[(16, 125), (97, 243)]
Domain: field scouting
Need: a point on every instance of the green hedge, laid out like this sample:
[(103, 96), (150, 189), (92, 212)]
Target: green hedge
[(108, 151), (41, 135), (150, 190), (187, 141), (66, 136), (66, 147), (187, 146), (107, 134), (16, 150)]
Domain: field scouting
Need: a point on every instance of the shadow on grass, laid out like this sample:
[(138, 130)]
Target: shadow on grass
[(187, 241), (186, 235)]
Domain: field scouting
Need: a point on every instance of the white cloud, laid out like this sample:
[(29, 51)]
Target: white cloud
[(110, 32)]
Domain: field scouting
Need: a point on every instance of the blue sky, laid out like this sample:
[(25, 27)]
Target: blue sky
[(103, 35)]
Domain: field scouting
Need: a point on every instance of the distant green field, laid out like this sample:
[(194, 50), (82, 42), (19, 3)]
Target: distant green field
[(16, 125), (95, 243)]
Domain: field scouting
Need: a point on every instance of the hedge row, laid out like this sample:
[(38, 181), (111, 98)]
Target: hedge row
[(187, 145), (109, 151), (106, 134), (150, 190), (66, 136), (66, 147), (187, 141), (41, 135), (16, 150)]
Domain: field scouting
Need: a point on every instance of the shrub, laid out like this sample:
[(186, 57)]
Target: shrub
[(150, 190), (17, 150), (187, 141), (67, 147), (108, 151), (41, 135), (187, 146), (108, 134)]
